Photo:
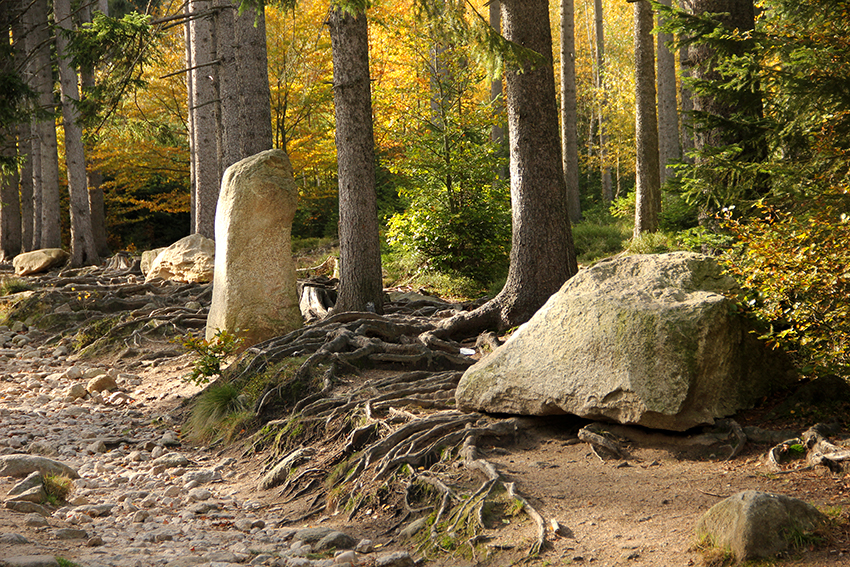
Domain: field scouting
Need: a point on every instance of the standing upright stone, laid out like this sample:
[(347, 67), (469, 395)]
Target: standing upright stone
[(254, 288)]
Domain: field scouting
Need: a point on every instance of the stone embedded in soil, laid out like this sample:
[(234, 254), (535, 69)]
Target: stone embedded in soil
[(23, 465)]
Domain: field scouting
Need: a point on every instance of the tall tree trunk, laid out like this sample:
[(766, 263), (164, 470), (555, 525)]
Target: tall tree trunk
[(542, 256), (360, 286), (648, 182), (252, 62), (686, 103), (740, 15), (497, 132), (569, 114), (231, 125), (10, 205), (605, 169), (46, 230), (669, 150), (206, 171), (83, 249), (94, 179), (25, 146)]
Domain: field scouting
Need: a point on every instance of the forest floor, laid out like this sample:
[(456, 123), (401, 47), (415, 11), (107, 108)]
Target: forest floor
[(638, 510)]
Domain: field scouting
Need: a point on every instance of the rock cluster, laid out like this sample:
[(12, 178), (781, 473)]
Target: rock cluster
[(139, 498)]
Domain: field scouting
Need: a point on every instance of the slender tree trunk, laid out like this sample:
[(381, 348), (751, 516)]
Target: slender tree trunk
[(94, 179), (569, 118), (190, 113), (605, 169), (648, 182), (83, 249), (253, 66), (669, 149), (497, 132), (206, 167), (686, 103), (46, 231), (12, 147), (542, 256), (361, 286), (25, 139)]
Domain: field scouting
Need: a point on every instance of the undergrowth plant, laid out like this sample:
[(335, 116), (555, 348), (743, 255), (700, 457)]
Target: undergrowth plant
[(57, 488), (211, 353)]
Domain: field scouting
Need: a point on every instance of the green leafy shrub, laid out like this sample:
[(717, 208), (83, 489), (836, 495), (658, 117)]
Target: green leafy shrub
[(211, 353), (795, 266)]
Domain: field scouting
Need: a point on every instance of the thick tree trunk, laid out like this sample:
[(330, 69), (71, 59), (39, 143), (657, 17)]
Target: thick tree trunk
[(202, 80), (255, 95), (669, 149), (360, 287), (569, 118), (605, 169), (742, 17), (46, 230), (542, 256), (83, 249), (231, 125), (648, 182)]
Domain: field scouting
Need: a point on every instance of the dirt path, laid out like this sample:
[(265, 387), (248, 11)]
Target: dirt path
[(635, 511)]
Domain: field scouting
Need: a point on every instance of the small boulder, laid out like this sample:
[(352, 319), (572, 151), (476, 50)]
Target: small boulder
[(101, 383), (336, 540), (148, 256), (30, 561), (23, 465), (171, 461), (756, 524), (39, 261), (189, 260)]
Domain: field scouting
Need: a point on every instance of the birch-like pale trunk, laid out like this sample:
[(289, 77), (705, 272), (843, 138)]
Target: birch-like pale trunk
[(569, 114), (83, 248)]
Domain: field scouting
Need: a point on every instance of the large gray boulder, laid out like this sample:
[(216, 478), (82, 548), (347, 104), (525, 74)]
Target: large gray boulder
[(189, 260), (39, 261), (255, 290), (754, 524), (649, 340)]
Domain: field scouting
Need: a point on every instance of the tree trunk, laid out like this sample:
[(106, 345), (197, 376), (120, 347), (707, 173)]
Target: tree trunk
[(94, 179), (202, 80), (231, 124), (648, 182), (253, 66), (542, 256), (83, 249), (604, 168), (497, 132), (569, 118), (46, 230), (669, 149), (361, 286), (742, 17), (10, 205)]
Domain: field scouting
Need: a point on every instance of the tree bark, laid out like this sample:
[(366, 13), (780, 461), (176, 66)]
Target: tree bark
[(604, 168), (255, 95), (648, 182), (361, 286), (202, 80), (542, 256), (231, 125), (497, 132), (569, 114), (83, 249), (669, 150), (10, 206), (686, 104), (46, 229)]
